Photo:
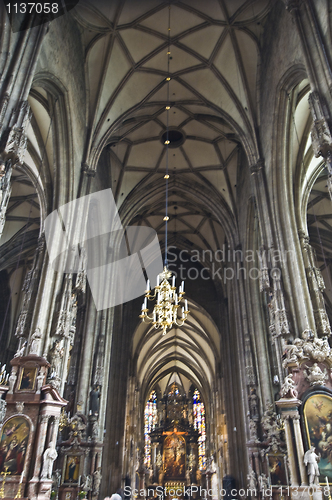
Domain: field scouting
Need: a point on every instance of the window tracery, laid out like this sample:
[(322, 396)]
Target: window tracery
[(199, 424), (150, 420)]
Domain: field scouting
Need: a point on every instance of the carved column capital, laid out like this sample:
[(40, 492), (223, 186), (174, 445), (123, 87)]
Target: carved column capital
[(292, 5), (43, 419), (302, 234), (257, 167), (90, 172)]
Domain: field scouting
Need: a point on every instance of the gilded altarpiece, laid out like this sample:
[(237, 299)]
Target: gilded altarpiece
[(174, 456)]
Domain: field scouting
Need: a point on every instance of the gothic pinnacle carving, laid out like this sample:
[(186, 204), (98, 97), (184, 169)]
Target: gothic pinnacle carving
[(5, 191), (316, 286), (279, 325), (321, 133)]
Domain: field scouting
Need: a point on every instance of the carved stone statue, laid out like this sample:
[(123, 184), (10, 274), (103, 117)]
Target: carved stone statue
[(94, 400), (311, 461), (57, 352), (87, 483), (307, 348), (11, 381), (49, 456), (273, 428), (35, 342), (40, 381), (94, 428), (56, 477), (191, 461), (188, 477), (315, 375), (96, 481), (20, 352), (211, 466), (288, 388), (253, 430), (19, 406), (253, 404), (263, 483), (251, 477)]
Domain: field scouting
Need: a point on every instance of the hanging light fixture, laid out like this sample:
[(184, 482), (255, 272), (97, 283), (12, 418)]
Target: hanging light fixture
[(165, 311)]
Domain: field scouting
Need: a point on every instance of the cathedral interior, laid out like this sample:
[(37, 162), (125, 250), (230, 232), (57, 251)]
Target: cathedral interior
[(179, 153)]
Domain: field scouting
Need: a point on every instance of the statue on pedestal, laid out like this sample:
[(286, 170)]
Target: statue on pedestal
[(96, 481), (40, 381), (49, 456), (20, 352), (311, 461), (35, 342), (253, 404), (57, 353), (87, 483), (251, 477), (11, 382), (94, 400), (263, 483)]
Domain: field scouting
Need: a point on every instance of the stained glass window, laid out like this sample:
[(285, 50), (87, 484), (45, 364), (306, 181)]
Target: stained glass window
[(150, 420), (199, 424)]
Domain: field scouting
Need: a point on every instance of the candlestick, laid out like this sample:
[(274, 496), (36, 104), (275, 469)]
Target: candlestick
[(19, 493), (4, 474), (327, 484)]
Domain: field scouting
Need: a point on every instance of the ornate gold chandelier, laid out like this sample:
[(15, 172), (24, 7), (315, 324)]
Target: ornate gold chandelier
[(165, 311)]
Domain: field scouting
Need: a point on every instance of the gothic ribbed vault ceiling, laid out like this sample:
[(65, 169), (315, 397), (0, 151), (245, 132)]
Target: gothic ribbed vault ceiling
[(215, 50)]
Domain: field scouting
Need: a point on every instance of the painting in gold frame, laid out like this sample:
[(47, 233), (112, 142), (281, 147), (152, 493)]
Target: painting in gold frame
[(72, 469), (277, 469), (318, 421), (174, 456), (13, 444), (28, 378)]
